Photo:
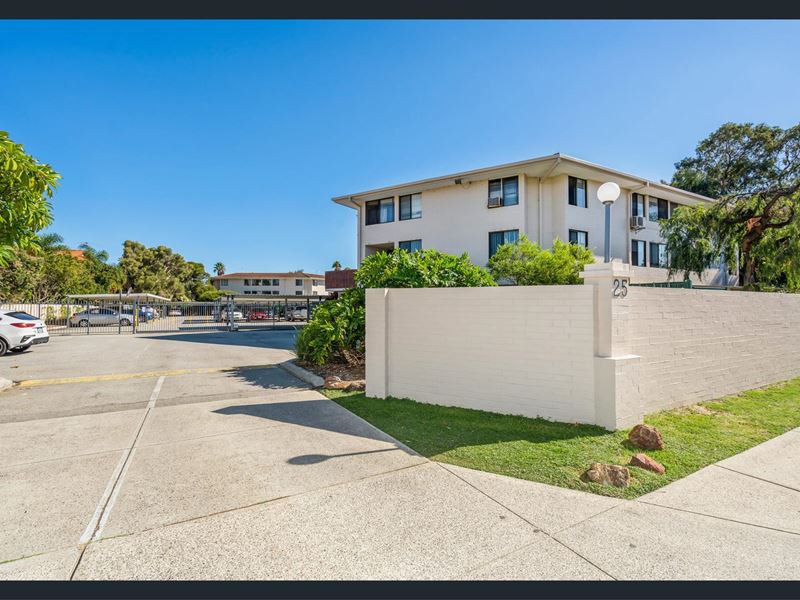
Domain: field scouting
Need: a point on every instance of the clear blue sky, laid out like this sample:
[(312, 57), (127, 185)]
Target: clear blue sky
[(226, 140)]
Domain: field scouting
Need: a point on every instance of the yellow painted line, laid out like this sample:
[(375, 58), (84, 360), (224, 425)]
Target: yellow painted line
[(142, 375)]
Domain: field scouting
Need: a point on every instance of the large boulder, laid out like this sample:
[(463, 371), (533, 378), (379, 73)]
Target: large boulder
[(607, 475), (645, 462), (646, 437)]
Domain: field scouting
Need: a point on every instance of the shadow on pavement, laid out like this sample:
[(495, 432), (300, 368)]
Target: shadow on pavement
[(319, 414), (280, 339)]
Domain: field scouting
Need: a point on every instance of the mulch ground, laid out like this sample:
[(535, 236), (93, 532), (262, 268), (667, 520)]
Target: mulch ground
[(344, 372)]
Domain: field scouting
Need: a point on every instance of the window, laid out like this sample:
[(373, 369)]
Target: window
[(637, 205), (498, 238), (298, 282), (411, 207), (265, 282), (579, 238), (658, 255), (673, 207), (507, 189), (275, 282), (22, 316), (410, 245), (638, 257), (318, 282), (298, 293), (256, 282), (224, 282), (659, 209), (577, 192), (380, 211), (247, 282)]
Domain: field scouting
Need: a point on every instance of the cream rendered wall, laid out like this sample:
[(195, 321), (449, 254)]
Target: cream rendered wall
[(286, 287), (455, 219), (514, 350)]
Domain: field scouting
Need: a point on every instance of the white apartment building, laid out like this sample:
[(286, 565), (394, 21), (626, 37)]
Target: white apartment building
[(543, 198), (271, 284)]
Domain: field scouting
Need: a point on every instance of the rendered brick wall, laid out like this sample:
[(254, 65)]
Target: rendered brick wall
[(702, 344), (514, 350)]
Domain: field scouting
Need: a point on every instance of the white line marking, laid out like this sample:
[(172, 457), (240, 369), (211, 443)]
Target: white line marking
[(109, 497)]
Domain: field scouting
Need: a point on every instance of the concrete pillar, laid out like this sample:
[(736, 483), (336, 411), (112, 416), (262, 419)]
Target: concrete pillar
[(616, 377), (377, 346)]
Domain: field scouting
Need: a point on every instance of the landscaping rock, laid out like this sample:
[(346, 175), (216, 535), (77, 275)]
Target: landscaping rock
[(645, 462), (335, 383), (646, 438), (358, 385), (608, 475)]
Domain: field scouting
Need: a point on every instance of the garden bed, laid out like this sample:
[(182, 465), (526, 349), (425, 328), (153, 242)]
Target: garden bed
[(343, 371)]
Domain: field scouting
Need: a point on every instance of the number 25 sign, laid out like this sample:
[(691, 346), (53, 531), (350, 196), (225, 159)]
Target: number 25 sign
[(620, 289)]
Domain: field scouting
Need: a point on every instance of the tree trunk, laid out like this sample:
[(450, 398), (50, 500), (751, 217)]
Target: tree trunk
[(755, 231)]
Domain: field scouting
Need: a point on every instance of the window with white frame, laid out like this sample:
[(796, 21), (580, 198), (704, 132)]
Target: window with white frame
[(223, 282), (637, 205), (659, 209)]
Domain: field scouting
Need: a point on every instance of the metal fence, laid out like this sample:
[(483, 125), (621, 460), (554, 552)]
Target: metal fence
[(70, 317)]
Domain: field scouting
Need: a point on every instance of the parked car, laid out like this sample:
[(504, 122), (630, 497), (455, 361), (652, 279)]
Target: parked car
[(259, 315), (298, 313), (174, 312), (148, 313), (20, 330), (100, 316), (237, 315)]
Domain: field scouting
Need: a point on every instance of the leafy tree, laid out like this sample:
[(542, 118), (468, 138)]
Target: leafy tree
[(526, 263), (156, 270), (754, 171), (690, 245), (26, 186), (51, 242), (336, 266), (424, 268), (219, 269), (336, 331)]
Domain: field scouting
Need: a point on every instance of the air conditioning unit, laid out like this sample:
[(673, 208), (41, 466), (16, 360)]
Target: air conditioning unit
[(637, 222), (495, 201)]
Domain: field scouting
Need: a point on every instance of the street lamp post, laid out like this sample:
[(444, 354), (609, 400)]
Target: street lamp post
[(608, 194)]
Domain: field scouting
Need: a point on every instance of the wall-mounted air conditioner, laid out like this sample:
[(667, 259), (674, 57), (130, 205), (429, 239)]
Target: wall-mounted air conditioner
[(637, 223), (495, 201)]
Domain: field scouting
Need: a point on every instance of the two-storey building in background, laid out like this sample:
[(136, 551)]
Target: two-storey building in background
[(271, 284), (543, 198)]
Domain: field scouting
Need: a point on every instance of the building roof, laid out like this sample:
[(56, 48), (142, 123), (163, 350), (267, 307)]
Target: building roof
[(129, 296), (79, 254), (290, 275), (543, 166)]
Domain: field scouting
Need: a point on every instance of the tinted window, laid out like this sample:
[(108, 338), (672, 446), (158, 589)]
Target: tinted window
[(579, 238), (410, 245), (638, 253), (498, 238), (637, 205), (380, 211), (410, 207), (577, 192), (22, 316), (506, 188)]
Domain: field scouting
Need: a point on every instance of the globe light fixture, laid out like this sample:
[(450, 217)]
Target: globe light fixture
[(608, 194)]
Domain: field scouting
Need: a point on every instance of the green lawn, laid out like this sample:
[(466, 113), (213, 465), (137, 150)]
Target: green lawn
[(557, 453)]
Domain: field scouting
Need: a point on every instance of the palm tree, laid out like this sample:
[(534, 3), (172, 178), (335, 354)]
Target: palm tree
[(219, 268), (336, 266), (51, 242)]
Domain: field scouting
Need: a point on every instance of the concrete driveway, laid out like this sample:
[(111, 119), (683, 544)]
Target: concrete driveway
[(193, 456)]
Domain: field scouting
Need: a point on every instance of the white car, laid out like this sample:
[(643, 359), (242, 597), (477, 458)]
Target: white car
[(237, 315), (299, 313), (19, 331)]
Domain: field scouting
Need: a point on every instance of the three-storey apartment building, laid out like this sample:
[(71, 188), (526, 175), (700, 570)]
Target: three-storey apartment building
[(271, 284), (543, 198)]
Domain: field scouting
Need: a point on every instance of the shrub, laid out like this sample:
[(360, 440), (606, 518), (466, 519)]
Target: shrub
[(526, 263), (424, 268), (336, 331)]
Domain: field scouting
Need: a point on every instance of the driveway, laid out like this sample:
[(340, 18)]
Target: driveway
[(196, 456)]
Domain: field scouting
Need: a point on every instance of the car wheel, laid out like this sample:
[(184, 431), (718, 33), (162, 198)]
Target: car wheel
[(3, 347), (125, 322), (83, 323)]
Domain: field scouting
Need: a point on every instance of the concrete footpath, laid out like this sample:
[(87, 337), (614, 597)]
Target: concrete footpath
[(203, 469)]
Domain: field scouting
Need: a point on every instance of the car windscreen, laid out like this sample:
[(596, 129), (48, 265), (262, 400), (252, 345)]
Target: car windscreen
[(22, 316)]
